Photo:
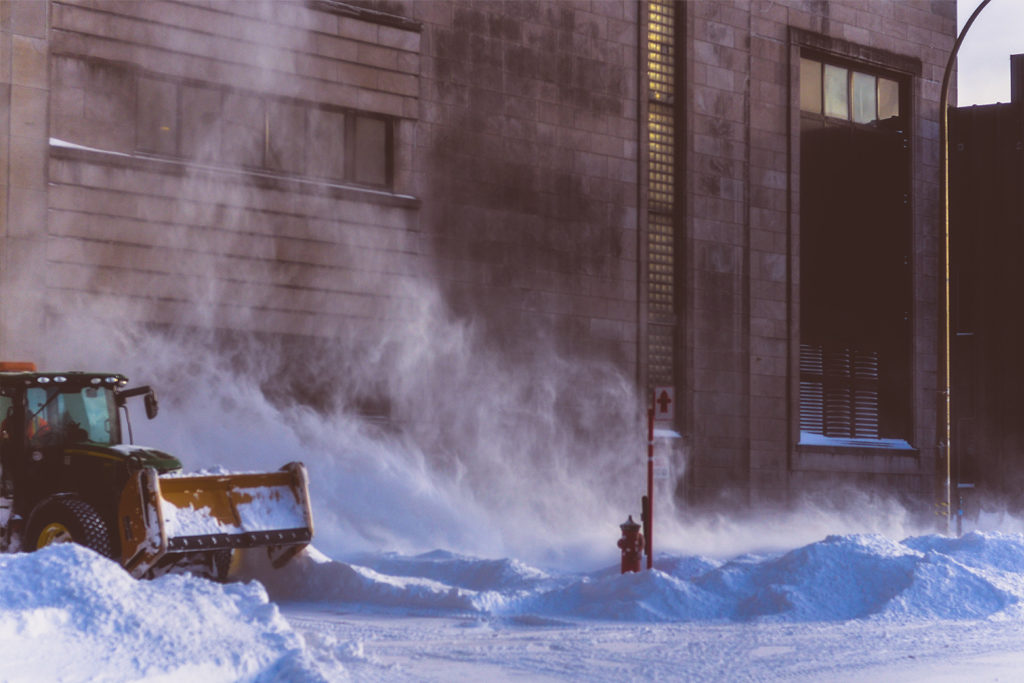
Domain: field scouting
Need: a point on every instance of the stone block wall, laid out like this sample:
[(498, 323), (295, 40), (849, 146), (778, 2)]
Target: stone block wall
[(743, 277), (517, 181), (24, 102), (167, 240), (526, 158)]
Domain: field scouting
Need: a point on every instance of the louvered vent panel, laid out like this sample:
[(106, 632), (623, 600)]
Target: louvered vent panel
[(839, 392), (865, 394), (812, 391)]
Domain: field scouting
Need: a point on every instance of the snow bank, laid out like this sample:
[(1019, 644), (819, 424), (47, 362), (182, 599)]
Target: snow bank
[(313, 577), (837, 579), (459, 570), (68, 614)]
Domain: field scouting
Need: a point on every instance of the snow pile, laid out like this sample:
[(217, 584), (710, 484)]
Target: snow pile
[(837, 579), (68, 614), (313, 577)]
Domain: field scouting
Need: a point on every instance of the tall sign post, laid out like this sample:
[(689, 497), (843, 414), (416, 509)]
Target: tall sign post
[(662, 411)]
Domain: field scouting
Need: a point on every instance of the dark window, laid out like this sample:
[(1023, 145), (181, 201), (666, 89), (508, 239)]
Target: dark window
[(370, 151), (216, 125), (855, 287), (326, 145), (200, 123), (157, 116), (286, 137), (243, 130)]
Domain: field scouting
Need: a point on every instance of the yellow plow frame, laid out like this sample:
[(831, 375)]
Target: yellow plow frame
[(161, 518)]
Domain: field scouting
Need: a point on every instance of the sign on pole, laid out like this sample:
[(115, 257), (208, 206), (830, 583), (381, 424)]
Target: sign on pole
[(659, 465), (664, 404)]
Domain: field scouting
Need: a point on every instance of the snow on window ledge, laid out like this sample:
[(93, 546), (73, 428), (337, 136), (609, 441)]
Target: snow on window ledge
[(64, 144), (812, 439)]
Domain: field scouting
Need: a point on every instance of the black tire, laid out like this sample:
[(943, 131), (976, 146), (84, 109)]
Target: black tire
[(67, 518)]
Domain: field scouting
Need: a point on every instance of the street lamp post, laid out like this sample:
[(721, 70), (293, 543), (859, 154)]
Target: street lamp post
[(947, 332)]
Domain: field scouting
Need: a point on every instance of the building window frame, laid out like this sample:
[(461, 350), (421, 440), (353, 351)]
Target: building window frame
[(813, 368), (164, 135)]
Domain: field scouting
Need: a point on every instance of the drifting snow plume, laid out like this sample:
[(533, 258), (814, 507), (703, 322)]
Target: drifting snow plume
[(538, 457)]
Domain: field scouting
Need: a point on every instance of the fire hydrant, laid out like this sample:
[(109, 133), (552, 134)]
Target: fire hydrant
[(632, 545)]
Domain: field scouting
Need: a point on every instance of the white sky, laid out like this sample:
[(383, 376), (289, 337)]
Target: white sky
[(984, 59)]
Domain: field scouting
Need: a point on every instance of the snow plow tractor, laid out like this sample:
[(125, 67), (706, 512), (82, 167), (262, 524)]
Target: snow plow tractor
[(66, 475)]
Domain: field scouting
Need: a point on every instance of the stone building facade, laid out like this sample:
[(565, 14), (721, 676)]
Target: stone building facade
[(628, 181)]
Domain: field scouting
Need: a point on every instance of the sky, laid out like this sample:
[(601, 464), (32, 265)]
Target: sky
[(984, 59)]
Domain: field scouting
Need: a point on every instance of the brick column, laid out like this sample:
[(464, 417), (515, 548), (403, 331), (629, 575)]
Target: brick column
[(24, 91)]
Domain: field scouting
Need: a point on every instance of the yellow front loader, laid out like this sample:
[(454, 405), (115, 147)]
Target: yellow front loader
[(166, 521)]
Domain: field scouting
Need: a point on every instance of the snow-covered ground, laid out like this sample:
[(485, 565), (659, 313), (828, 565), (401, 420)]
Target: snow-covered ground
[(848, 607)]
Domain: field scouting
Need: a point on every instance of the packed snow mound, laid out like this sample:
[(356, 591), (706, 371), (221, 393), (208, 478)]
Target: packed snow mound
[(459, 570), (313, 577), (837, 579), (68, 614)]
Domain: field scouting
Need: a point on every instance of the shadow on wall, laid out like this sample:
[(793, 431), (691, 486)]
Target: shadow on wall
[(526, 208)]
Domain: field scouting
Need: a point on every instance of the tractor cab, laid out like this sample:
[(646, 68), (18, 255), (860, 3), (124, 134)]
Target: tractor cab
[(62, 432), (62, 413)]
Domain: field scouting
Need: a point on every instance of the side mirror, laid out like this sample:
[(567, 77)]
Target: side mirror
[(152, 406)]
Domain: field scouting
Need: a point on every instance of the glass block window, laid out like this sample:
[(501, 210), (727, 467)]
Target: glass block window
[(660, 295), (661, 201), (661, 140), (661, 51)]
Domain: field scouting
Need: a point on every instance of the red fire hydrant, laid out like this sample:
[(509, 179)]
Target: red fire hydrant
[(632, 545)]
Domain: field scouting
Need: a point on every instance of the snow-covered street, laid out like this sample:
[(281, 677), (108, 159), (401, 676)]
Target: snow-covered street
[(850, 607), (381, 647)]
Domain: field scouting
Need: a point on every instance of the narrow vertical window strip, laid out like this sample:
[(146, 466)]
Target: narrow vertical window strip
[(661, 173)]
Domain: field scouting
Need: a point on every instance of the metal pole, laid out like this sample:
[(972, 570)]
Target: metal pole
[(650, 488), (947, 295)]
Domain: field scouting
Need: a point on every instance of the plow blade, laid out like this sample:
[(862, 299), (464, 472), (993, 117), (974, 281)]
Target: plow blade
[(165, 519)]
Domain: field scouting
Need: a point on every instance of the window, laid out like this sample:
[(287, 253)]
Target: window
[(326, 144), (370, 151), (67, 415), (200, 123), (242, 130), (855, 287), (157, 116), (847, 94), (217, 125), (286, 137), (662, 302)]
